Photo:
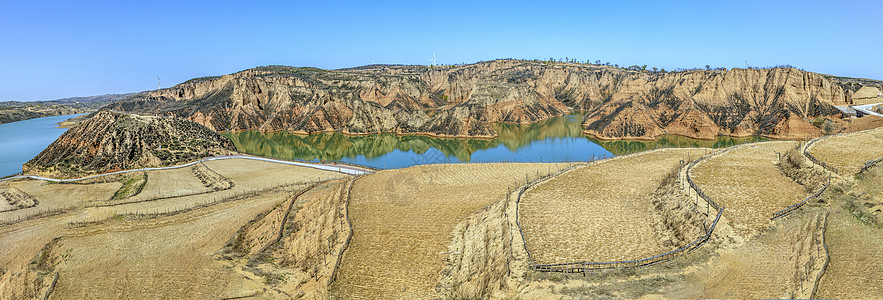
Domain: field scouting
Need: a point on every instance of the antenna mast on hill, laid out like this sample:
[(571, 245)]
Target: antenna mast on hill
[(434, 60), (158, 86)]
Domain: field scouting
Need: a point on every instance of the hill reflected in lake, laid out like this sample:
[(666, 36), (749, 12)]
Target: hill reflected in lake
[(556, 139)]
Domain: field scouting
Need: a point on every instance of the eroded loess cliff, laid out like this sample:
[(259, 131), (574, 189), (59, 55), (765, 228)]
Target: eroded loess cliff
[(112, 141), (462, 101)]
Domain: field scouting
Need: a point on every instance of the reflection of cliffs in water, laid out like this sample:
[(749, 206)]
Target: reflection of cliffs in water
[(334, 146), (517, 136), (622, 147)]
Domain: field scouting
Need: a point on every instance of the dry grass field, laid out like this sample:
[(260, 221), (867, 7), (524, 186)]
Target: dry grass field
[(765, 267), (58, 195), (423, 232), (848, 153), (856, 267), (402, 222), (750, 185), (855, 239), (261, 174), (167, 183), (167, 256), (600, 212)]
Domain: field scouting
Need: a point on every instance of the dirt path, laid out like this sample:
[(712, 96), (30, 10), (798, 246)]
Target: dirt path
[(402, 223), (601, 212)]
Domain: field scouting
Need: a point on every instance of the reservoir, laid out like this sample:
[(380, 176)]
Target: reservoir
[(558, 139), (23, 140)]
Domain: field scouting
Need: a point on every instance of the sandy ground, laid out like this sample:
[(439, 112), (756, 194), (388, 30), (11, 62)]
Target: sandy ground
[(601, 212), (848, 153), (402, 222), (750, 185), (763, 268)]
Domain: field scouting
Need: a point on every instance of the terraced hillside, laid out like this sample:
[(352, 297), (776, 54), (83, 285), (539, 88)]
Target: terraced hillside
[(749, 183), (165, 247), (855, 237), (600, 212), (402, 222), (848, 153)]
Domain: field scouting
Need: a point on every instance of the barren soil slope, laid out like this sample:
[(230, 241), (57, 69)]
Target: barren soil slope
[(463, 100)]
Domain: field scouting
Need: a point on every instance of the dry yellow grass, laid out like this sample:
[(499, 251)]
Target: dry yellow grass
[(856, 247), (601, 212), (856, 267), (750, 185), (57, 196), (402, 222), (246, 177), (260, 174), (848, 153), (762, 268), (168, 183), (164, 258), (167, 257)]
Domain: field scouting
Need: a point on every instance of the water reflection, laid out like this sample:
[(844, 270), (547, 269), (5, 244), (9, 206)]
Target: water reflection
[(673, 141), (556, 139)]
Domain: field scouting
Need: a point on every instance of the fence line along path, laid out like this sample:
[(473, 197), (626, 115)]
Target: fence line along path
[(555, 218)]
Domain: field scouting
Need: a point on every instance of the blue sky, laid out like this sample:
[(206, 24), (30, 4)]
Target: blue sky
[(79, 48)]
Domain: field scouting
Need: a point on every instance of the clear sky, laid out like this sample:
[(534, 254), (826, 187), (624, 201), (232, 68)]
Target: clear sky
[(62, 49)]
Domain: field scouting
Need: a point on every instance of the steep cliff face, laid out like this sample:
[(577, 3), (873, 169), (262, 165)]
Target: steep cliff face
[(461, 101), (114, 141)]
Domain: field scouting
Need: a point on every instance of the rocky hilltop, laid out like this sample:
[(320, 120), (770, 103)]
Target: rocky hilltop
[(463, 100), (112, 141)]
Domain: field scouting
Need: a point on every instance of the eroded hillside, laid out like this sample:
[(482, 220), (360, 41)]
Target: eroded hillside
[(464, 100), (112, 141)]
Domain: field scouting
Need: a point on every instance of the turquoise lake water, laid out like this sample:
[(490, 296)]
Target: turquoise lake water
[(23, 140)]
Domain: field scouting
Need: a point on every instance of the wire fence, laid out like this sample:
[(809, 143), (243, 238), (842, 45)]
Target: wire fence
[(584, 266), (813, 158), (797, 205), (870, 164), (349, 235), (521, 191), (171, 211), (39, 213)]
